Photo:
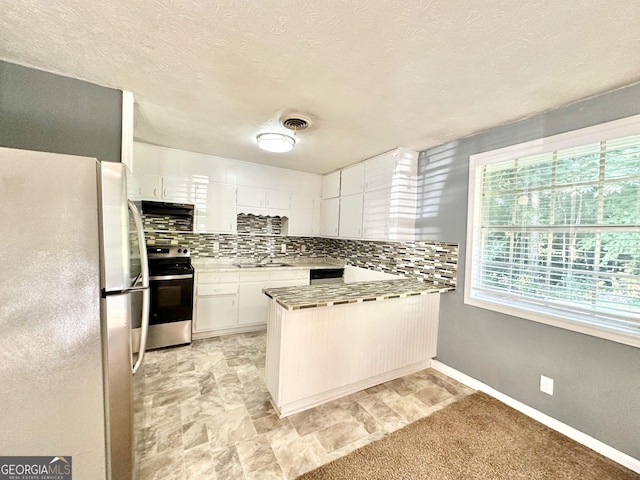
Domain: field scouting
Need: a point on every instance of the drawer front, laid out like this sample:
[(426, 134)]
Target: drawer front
[(222, 277), (290, 275), (217, 289), (261, 276)]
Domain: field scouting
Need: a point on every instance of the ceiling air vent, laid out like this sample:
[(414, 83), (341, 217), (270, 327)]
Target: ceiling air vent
[(295, 122)]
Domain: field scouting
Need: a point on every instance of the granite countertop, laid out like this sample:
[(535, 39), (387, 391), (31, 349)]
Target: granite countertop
[(326, 295), (206, 265)]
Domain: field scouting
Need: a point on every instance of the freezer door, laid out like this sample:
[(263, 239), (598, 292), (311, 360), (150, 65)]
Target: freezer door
[(116, 245)]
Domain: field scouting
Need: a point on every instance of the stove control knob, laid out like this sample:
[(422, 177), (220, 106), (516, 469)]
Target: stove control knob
[(179, 250)]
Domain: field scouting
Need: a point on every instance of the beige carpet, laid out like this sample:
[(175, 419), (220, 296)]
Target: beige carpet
[(477, 437)]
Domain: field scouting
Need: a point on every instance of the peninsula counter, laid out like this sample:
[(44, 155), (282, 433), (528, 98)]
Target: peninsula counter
[(327, 341)]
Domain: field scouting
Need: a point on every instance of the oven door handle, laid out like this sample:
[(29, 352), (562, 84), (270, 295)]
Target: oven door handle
[(144, 272), (171, 277)]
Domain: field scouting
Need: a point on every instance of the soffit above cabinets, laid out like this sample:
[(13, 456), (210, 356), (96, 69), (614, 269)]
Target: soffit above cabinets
[(371, 76)]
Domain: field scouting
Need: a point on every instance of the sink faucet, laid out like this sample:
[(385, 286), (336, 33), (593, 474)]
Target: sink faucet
[(260, 259)]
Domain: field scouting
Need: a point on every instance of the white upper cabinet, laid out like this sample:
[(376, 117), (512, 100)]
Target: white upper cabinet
[(330, 217), (376, 222), (251, 196), (215, 210), (263, 201), (379, 171), (304, 218), (397, 168), (277, 199), (149, 186), (177, 189), (331, 185), (352, 180), (390, 199), (351, 216), (210, 183)]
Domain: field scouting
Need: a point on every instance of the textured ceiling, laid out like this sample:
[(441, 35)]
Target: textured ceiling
[(372, 74)]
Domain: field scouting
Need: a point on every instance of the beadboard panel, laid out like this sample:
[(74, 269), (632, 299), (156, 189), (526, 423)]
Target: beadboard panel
[(319, 354)]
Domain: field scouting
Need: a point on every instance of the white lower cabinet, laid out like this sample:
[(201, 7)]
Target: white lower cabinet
[(287, 278), (217, 307), (216, 303), (254, 302), (233, 302)]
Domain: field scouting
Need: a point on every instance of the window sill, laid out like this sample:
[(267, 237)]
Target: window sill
[(561, 321)]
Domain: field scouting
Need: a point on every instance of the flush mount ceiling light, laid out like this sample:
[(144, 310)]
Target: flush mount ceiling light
[(275, 142)]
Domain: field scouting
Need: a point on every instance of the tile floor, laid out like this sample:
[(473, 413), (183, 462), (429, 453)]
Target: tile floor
[(203, 412)]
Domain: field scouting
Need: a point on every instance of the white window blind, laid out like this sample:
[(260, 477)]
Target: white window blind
[(554, 231)]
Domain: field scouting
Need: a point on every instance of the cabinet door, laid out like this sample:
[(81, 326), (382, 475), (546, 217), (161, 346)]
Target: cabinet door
[(289, 278), (216, 213), (352, 180), (378, 171), (301, 217), (329, 217), (177, 189), (376, 214), (215, 311), (351, 216), (331, 185), (251, 196), (149, 186), (277, 199), (254, 304), (133, 188)]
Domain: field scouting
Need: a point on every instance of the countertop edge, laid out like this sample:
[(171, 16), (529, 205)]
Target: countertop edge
[(318, 296)]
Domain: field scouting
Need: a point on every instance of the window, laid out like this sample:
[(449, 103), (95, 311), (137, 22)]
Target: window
[(554, 231)]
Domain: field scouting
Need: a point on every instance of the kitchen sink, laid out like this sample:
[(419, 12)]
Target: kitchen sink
[(262, 265)]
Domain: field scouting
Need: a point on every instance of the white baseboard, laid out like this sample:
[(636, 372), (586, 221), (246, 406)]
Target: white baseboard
[(602, 448), (228, 331), (342, 391)]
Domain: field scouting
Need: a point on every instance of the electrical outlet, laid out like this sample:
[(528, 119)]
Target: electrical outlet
[(546, 385), (303, 248), (216, 246), (283, 248)]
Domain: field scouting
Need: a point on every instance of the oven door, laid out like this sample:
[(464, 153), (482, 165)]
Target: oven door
[(170, 311), (171, 298)]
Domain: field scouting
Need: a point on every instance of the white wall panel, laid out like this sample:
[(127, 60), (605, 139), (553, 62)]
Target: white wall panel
[(317, 354)]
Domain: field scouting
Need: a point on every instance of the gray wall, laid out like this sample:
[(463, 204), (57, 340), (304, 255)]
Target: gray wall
[(597, 382), (50, 113)]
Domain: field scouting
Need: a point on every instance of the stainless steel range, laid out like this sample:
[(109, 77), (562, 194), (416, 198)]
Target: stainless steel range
[(171, 292)]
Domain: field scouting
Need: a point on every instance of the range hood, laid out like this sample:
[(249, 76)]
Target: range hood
[(167, 209)]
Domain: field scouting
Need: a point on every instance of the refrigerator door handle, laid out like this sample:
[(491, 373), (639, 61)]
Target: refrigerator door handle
[(144, 270)]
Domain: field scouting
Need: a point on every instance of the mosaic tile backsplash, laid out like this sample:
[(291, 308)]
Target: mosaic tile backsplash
[(166, 223), (436, 262)]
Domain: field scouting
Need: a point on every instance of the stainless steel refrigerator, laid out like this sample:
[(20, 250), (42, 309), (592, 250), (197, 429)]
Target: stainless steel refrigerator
[(72, 264)]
